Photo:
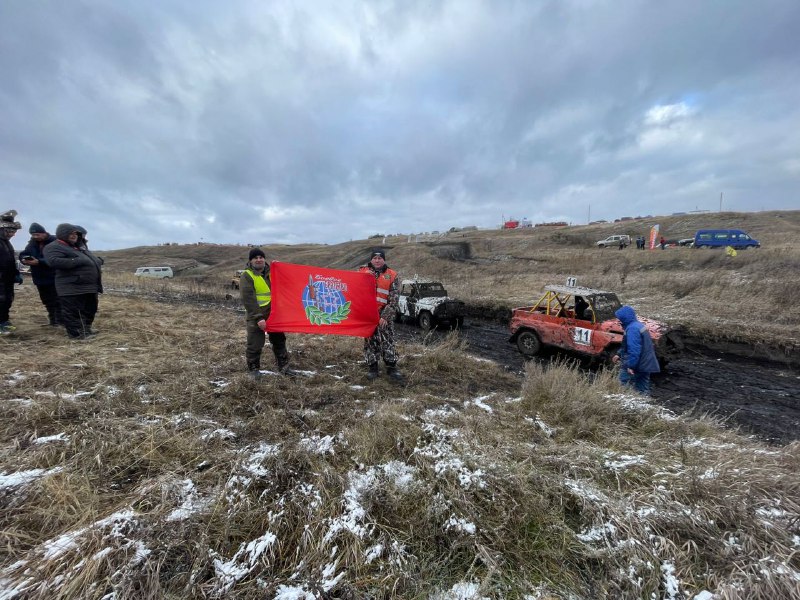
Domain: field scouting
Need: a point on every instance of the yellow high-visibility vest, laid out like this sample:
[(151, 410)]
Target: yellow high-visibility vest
[(263, 293)]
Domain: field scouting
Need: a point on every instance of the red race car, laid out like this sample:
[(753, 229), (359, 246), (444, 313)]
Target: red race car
[(582, 320)]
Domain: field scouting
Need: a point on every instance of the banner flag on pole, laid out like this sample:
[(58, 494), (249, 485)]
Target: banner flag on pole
[(307, 299), (653, 236)]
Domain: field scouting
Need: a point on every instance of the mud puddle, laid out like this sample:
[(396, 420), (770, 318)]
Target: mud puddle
[(755, 396)]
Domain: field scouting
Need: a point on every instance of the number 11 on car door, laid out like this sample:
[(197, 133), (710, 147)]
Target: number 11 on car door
[(581, 336)]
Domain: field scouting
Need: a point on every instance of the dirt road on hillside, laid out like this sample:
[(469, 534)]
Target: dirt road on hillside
[(760, 398)]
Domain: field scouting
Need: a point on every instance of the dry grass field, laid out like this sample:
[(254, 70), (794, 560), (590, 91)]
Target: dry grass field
[(145, 463)]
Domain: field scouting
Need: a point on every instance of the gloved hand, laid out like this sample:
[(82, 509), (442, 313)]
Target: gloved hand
[(262, 325), (18, 279)]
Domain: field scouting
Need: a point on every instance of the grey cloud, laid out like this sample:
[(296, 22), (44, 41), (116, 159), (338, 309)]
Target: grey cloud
[(420, 115)]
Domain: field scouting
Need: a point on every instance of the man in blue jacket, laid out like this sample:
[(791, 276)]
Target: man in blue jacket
[(44, 276), (637, 355)]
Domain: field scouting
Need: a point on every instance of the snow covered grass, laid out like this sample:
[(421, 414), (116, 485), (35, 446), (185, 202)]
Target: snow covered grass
[(164, 471)]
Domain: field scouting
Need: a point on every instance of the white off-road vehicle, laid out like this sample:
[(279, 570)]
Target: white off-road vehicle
[(427, 303)]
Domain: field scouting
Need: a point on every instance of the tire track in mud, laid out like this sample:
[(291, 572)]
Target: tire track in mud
[(758, 397)]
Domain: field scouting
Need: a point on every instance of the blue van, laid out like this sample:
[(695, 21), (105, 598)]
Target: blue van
[(719, 238)]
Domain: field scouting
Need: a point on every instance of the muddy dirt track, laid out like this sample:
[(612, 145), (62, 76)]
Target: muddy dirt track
[(758, 397)]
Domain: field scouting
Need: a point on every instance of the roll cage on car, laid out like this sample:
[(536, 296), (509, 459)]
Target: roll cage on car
[(581, 320)]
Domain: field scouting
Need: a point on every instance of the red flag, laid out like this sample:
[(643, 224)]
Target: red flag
[(309, 299)]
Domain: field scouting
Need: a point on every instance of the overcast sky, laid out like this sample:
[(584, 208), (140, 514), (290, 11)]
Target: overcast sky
[(289, 122)]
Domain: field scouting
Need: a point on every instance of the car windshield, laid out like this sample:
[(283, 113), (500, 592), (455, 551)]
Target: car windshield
[(605, 305), (432, 290)]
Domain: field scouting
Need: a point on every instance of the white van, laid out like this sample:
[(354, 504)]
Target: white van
[(157, 272)]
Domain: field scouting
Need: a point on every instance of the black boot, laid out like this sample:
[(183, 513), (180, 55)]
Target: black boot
[(254, 369), (394, 374), (283, 363), (373, 372)]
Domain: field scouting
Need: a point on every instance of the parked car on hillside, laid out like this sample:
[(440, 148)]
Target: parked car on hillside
[(720, 238), (613, 241), (686, 242), (427, 303), (582, 320), (155, 272)]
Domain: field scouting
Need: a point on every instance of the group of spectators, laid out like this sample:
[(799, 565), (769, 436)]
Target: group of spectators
[(66, 274)]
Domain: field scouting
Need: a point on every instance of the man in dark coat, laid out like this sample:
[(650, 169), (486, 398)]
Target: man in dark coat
[(44, 277), (9, 273), (637, 354), (78, 281), (255, 291)]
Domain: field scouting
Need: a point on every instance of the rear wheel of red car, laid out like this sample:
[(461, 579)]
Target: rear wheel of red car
[(529, 343)]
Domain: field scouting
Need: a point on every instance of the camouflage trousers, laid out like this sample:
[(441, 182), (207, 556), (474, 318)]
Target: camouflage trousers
[(381, 344)]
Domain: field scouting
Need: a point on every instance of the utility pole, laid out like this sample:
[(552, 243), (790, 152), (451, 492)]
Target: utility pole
[(589, 218), (720, 202)]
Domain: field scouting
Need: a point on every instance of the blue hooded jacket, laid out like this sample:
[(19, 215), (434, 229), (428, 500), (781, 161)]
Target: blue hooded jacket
[(637, 350)]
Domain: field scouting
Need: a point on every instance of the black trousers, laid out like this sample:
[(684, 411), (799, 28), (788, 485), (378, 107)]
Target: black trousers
[(49, 297), (6, 300), (255, 344), (77, 313)]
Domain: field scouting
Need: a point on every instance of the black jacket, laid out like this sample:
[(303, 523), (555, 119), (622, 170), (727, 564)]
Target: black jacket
[(8, 263), (77, 269), (42, 274)]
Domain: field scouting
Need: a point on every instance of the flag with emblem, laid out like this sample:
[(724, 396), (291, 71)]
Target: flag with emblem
[(307, 299)]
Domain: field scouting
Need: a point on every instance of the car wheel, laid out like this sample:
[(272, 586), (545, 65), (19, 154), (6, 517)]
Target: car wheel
[(426, 320), (529, 343)]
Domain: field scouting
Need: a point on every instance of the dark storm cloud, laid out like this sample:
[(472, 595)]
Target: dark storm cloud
[(250, 121)]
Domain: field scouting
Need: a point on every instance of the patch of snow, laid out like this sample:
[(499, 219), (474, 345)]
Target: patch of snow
[(372, 553), (59, 437), (704, 595), (622, 461), (245, 559), (318, 445), (671, 583), (461, 525), (480, 403), (356, 387), (121, 349), (219, 383), (598, 533), (23, 401), (293, 593), (222, 433), (68, 541), (460, 591), (16, 377), (12, 480)]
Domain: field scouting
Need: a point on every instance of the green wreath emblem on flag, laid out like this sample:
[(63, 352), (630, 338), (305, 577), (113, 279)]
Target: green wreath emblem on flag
[(317, 316)]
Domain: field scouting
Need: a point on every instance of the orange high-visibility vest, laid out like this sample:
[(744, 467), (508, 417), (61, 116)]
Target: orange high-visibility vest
[(382, 283)]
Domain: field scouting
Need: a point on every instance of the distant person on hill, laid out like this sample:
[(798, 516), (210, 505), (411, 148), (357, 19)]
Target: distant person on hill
[(637, 354), (43, 275), (381, 343), (663, 242), (78, 281), (9, 274), (254, 289)]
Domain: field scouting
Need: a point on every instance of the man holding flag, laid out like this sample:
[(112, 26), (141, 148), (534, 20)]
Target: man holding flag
[(254, 289), (381, 343)]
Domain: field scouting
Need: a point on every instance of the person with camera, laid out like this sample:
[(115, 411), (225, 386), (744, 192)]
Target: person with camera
[(43, 275)]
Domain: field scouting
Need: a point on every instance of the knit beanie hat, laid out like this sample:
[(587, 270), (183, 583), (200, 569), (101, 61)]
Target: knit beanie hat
[(256, 252), (375, 253), (36, 228)]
